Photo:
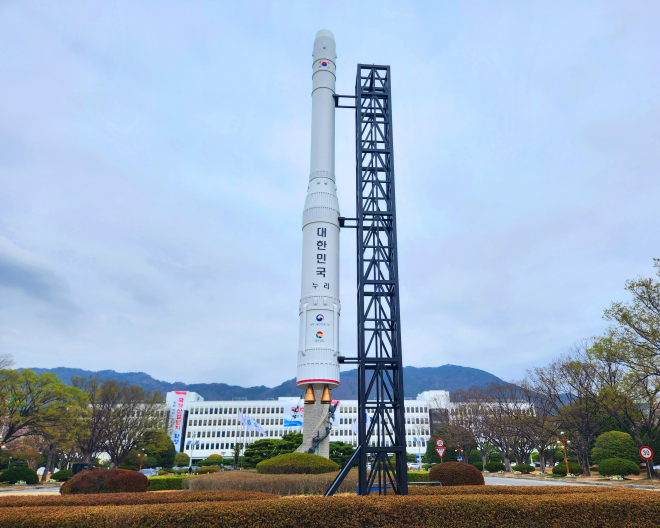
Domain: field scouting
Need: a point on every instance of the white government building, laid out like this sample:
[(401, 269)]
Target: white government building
[(213, 427)]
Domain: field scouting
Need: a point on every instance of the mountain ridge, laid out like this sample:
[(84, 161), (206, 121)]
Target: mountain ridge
[(415, 380)]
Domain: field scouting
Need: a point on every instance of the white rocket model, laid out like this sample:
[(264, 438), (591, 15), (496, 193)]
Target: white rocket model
[(319, 301)]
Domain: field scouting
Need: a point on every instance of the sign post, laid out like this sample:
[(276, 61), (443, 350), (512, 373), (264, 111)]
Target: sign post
[(440, 449), (647, 454)]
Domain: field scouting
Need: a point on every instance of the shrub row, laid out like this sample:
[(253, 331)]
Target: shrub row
[(506, 490), (206, 470), (279, 484), (128, 499), (418, 476), (166, 483), (298, 463), (616, 508), (16, 473)]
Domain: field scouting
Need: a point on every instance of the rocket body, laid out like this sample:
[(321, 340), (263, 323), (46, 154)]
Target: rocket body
[(319, 308)]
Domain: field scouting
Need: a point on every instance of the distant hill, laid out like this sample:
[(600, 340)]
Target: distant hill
[(415, 380)]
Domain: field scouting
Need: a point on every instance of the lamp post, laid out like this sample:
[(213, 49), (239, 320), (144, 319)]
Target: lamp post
[(192, 449), (142, 453), (460, 453), (563, 440)]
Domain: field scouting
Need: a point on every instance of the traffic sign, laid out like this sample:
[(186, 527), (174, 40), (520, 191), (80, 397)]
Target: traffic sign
[(646, 453), (439, 442), (460, 459), (440, 451)]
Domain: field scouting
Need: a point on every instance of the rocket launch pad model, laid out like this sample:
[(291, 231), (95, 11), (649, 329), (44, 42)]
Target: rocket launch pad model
[(318, 348)]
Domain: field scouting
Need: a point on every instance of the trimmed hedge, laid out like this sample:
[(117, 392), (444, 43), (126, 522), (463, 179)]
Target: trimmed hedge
[(584, 510), (206, 470), (617, 466), (298, 463), (560, 469), (105, 481), (166, 483), (493, 466), (418, 476), (523, 468), (62, 475), (16, 473), (456, 474), (478, 465), (127, 499)]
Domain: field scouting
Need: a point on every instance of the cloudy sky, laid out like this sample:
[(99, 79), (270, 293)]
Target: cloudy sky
[(154, 159)]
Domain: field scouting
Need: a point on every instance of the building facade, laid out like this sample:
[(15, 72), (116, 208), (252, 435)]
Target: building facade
[(214, 427)]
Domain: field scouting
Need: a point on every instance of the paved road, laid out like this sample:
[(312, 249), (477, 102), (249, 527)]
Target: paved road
[(509, 481)]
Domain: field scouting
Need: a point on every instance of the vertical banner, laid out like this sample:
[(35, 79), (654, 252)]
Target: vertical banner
[(293, 413), (178, 406)]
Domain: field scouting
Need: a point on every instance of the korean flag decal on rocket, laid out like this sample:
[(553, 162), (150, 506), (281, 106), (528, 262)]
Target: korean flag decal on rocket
[(324, 64)]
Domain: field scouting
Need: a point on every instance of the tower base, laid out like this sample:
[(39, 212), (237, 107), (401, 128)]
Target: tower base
[(316, 428)]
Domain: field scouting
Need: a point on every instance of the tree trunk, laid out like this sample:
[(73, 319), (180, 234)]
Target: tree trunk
[(542, 461), (49, 461), (507, 462), (483, 459)]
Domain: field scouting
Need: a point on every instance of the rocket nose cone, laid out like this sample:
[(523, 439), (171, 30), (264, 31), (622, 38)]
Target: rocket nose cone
[(324, 45), (324, 33)]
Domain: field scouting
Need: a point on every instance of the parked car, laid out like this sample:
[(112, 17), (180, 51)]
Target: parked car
[(149, 472)]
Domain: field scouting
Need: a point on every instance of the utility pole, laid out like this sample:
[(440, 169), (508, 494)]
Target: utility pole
[(564, 441)]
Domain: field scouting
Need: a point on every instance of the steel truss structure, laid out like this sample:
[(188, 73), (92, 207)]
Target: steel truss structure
[(381, 422)]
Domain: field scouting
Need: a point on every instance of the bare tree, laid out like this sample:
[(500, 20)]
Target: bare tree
[(6, 361), (566, 389), (137, 413)]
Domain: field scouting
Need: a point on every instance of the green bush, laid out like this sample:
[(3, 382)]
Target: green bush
[(418, 476), (615, 444), (300, 463), (16, 473), (105, 481), (493, 466), (456, 474), (62, 475), (523, 468), (206, 470), (478, 465), (166, 483), (560, 469), (617, 466), (127, 467)]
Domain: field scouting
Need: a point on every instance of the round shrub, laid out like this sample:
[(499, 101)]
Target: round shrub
[(617, 466), (615, 444), (105, 481), (478, 465), (206, 470), (16, 473), (524, 468), (493, 466), (62, 475), (297, 463), (456, 474), (573, 467)]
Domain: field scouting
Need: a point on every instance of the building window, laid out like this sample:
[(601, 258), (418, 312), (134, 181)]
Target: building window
[(188, 434), (189, 422)]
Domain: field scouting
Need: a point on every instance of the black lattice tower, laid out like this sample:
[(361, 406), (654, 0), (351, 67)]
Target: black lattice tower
[(380, 369)]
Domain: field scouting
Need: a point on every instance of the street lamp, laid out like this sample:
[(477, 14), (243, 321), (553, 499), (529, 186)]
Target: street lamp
[(563, 440), (192, 449), (142, 453)]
